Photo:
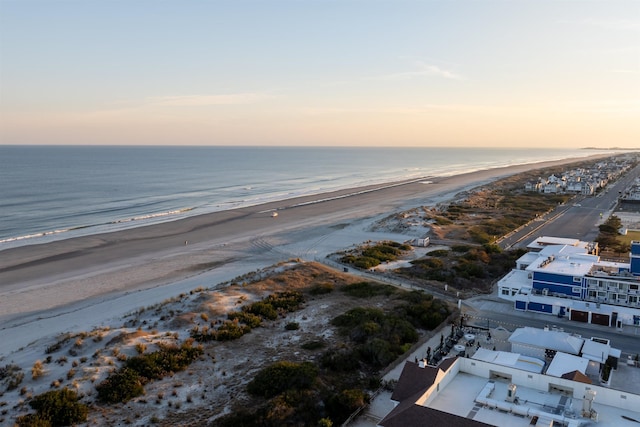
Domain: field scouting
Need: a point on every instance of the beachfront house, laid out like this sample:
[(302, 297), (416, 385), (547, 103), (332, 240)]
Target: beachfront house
[(581, 181), (566, 277), (552, 188), (534, 186), (588, 189), (575, 185)]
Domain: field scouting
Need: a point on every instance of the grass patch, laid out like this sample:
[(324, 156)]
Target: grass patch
[(630, 236)]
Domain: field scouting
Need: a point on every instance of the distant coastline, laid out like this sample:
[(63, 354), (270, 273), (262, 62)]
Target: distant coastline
[(128, 187), (610, 149)]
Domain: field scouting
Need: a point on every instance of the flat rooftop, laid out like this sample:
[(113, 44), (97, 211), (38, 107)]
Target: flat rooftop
[(459, 398), (570, 265), (544, 241)]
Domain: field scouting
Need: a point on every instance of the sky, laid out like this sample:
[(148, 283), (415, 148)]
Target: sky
[(517, 73)]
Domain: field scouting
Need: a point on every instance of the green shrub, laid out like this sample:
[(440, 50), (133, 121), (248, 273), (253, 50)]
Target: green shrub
[(32, 420), (379, 337), (60, 407), (321, 289), (287, 300), (263, 309), (313, 345), (461, 248), (249, 319), (422, 311), (344, 403), (282, 376), (367, 289), (440, 253), (340, 360), (121, 386), (292, 326), (372, 256), (229, 331), (366, 262), (470, 270), (377, 352), (429, 263), (356, 316), (361, 332), (128, 382), (492, 248)]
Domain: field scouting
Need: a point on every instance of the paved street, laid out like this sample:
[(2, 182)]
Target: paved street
[(578, 219)]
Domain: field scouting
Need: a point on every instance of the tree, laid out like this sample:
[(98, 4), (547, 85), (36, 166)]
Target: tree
[(609, 231)]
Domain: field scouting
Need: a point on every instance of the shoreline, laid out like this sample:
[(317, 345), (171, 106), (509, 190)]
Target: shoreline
[(58, 232), (98, 277)]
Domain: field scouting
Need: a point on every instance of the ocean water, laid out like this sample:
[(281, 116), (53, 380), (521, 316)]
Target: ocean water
[(55, 192)]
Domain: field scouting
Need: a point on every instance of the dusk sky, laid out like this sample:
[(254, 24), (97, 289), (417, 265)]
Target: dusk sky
[(519, 73)]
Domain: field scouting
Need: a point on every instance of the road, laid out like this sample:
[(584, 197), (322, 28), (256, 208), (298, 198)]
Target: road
[(578, 219)]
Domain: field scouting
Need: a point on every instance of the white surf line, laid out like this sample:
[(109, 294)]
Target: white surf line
[(327, 199)]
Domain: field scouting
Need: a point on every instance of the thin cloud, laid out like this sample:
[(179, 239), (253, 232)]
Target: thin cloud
[(618, 24), (207, 100), (423, 70), (609, 24), (624, 71), (608, 106), (422, 109)]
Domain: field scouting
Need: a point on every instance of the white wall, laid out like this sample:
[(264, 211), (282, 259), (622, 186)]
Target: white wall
[(604, 396)]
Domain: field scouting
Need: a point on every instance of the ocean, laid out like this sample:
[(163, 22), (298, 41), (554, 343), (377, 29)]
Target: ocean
[(55, 192)]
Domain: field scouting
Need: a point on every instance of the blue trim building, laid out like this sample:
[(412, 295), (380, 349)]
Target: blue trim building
[(566, 277)]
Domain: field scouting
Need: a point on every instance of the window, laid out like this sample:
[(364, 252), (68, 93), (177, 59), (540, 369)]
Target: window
[(505, 291), (577, 280)]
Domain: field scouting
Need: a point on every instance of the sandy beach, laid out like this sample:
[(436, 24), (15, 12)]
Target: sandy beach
[(82, 282)]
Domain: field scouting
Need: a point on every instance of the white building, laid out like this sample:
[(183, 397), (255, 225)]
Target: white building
[(566, 277), (496, 388)]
